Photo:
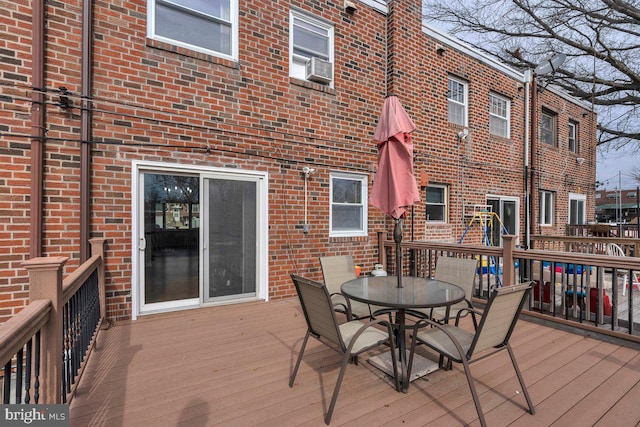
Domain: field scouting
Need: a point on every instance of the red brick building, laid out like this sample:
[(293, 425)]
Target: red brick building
[(180, 132)]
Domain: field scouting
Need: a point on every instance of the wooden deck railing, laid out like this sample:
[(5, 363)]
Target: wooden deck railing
[(587, 245), (587, 290), (44, 347)]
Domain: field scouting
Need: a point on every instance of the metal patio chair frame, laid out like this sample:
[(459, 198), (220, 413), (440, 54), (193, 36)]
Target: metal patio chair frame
[(496, 326), (348, 339), (460, 272), (336, 270)]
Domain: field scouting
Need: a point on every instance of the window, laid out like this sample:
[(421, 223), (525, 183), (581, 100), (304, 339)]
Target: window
[(577, 204), (598, 196), (631, 194), (310, 37), (499, 116), (457, 100), (548, 128), (348, 214), (573, 136), (546, 207), (205, 26), (436, 203)]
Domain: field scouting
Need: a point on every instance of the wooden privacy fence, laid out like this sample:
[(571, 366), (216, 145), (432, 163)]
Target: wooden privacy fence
[(44, 348)]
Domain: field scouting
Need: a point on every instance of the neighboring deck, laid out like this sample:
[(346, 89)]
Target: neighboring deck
[(230, 365)]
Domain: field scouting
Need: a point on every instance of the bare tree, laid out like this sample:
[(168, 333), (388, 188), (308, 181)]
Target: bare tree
[(601, 39)]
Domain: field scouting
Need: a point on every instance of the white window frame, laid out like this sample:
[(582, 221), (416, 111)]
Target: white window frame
[(572, 138), (456, 102), (499, 117), (362, 178), (547, 212), (233, 23), (297, 63), (444, 204), (580, 200)]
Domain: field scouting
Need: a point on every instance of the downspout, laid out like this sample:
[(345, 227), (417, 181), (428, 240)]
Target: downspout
[(527, 123), (38, 131), (85, 129), (534, 147)]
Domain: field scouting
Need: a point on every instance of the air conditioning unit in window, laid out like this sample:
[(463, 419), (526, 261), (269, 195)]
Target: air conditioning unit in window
[(319, 70)]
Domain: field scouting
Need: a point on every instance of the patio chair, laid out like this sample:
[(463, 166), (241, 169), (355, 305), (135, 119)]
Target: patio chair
[(348, 339), (495, 328), (337, 270), (614, 249), (461, 272)]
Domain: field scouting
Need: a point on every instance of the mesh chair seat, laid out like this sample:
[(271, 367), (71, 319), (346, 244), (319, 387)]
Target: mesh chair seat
[(371, 337), (440, 340)]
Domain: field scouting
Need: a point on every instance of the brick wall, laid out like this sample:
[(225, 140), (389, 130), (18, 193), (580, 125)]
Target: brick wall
[(158, 103)]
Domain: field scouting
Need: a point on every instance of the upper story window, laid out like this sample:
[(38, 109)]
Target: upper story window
[(457, 96), (348, 213), (436, 203), (548, 127), (309, 38), (573, 136), (546, 207), (499, 116), (205, 26)]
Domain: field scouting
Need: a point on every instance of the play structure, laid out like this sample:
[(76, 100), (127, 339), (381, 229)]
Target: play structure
[(484, 218)]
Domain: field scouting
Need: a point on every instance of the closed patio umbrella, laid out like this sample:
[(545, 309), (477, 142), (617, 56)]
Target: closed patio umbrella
[(394, 187)]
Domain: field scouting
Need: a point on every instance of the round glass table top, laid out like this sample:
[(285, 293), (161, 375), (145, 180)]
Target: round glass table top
[(416, 292)]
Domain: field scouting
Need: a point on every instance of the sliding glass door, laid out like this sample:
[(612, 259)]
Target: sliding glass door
[(201, 237)]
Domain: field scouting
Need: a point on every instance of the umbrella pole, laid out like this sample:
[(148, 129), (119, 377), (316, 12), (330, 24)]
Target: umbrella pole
[(397, 237)]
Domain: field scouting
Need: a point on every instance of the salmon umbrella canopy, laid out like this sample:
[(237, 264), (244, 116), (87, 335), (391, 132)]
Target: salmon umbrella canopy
[(394, 187)]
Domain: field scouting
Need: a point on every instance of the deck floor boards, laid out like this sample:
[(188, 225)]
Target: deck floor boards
[(230, 366)]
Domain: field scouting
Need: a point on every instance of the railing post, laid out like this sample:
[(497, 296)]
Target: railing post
[(45, 282), (508, 264), (97, 248)]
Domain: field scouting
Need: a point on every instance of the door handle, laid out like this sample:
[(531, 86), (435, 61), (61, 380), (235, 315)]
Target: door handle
[(142, 244)]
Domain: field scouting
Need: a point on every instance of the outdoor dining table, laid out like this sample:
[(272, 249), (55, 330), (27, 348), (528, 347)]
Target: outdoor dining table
[(416, 292)]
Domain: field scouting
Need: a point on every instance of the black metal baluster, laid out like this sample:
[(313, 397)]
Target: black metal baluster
[(65, 346), (6, 386), (76, 338), (19, 361), (27, 374), (36, 358), (84, 321)]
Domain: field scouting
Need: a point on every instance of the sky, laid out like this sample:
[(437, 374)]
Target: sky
[(617, 167)]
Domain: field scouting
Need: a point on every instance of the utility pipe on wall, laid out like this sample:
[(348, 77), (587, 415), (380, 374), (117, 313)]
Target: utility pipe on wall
[(306, 171), (527, 122), (38, 127), (85, 128)]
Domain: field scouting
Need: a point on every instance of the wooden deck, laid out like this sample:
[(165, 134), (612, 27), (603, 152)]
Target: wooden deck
[(230, 365)]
